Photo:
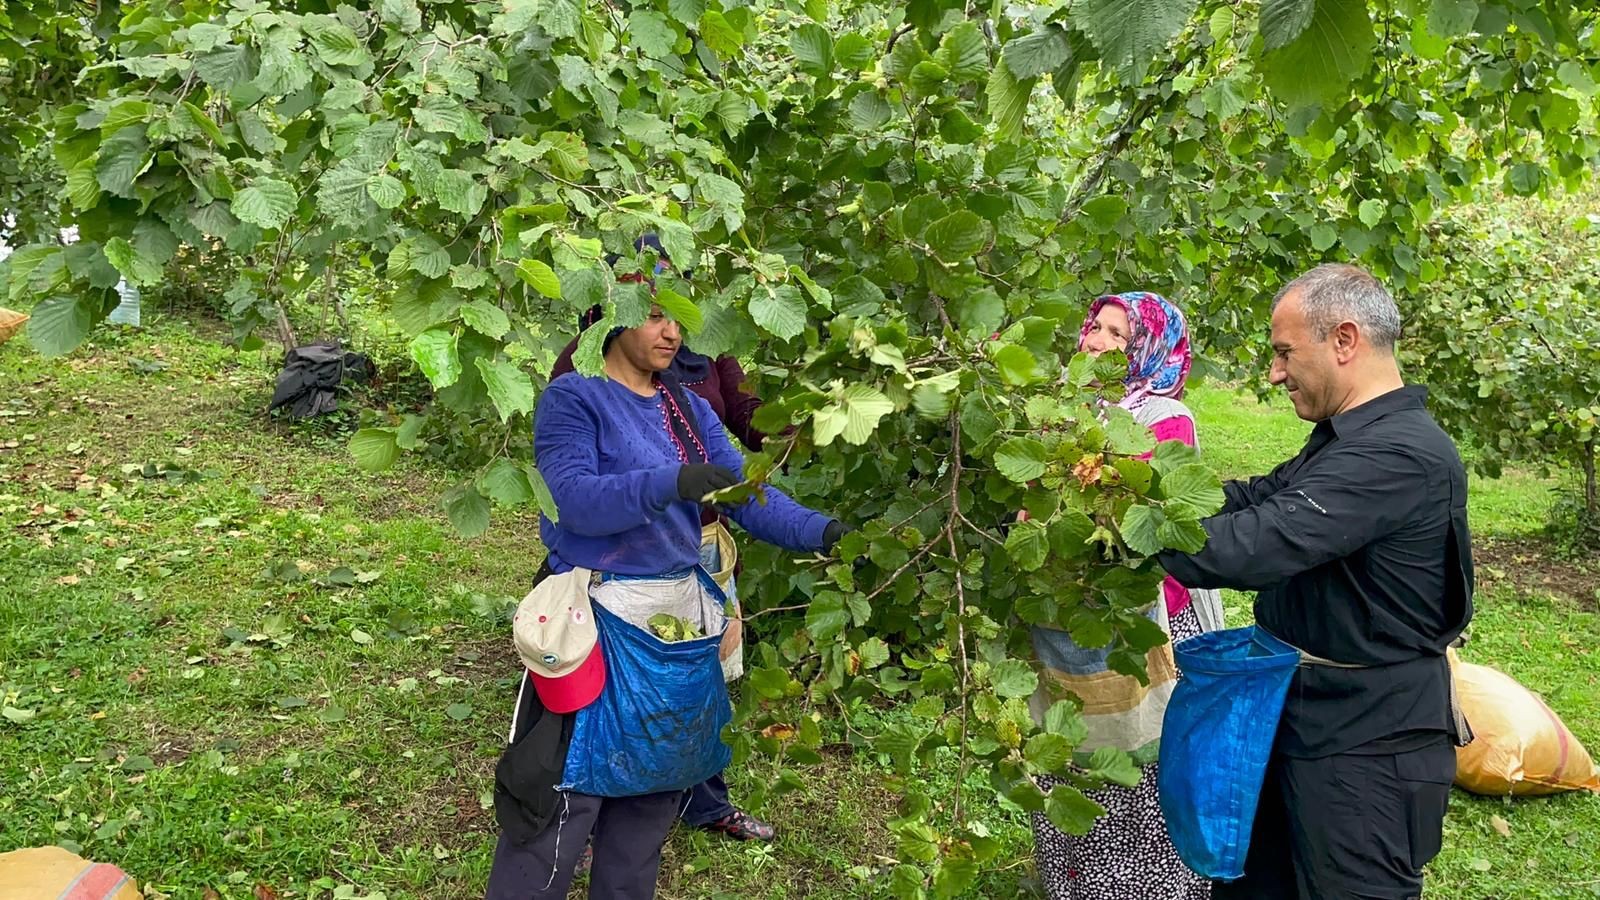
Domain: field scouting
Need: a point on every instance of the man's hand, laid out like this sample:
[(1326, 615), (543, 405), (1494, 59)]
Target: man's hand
[(699, 479)]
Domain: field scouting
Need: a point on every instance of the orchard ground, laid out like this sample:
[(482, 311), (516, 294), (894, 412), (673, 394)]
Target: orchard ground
[(239, 667)]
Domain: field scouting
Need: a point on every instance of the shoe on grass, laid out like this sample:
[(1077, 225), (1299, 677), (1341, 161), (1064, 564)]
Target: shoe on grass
[(741, 826)]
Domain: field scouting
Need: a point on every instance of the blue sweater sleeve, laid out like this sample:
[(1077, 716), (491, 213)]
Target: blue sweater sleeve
[(781, 521), (566, 451)]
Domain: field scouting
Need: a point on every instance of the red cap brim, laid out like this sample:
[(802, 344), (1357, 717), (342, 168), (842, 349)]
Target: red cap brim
[(576, 689)]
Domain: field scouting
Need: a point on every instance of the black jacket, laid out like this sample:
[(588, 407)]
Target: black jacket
[(1360, 552)]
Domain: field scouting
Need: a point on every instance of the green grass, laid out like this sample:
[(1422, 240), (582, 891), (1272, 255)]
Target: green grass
[(212, 718)]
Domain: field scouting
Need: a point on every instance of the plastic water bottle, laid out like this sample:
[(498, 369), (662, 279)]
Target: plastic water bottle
[(127, 312)]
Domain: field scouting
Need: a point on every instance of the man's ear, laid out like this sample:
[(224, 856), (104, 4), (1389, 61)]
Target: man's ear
[(1346, 338)]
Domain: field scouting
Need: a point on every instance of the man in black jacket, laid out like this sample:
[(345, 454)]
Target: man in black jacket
[(1359, 551)]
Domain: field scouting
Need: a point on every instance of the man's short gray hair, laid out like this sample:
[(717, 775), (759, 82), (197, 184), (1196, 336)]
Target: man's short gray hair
[(1337, 292)]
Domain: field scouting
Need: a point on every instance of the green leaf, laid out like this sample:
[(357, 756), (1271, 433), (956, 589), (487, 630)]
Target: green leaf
[(854, 52), (434, 351), (1027, 545), (541, 494), (1064, 718), (1195, 487), (681, 309), (506, 483), (722, 38), (1370, 212), (1115, 766), (855, 415), (227, 67), (267, 203), (1182, 531), (123, 158), (1070, 532), (1013, 678), (386, 191), (1171, 455), (1139, 529), (510, 388), (725, 198), (958, 236), (204, 36), (1105, 213), (1125, 436), (1071, 811), (868, 111), (1326, 57), (422, 254), (1039, 53), (927, 77), (468, 510), (335, 43), (688, 12), (1132, 33), (539, 276), (1016, 365), (813, 48), (342, 194), (781, 310), (460, 193), (130, 263), (1574, 75), (1008, 100), (1048, 753), (874, 653), (1524, 178), (857, 296), (1323, 236), (486, 319), (1284, 20), (124, 112), (402, 14), (374, 449), (560, 18), (1449, 18), (963, 53), (652, 34), (83, 188), (826, 617), (1021, 459), (59, 324)]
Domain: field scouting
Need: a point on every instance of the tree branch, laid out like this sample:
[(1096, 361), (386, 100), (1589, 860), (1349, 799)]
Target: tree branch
[(1118, 141)]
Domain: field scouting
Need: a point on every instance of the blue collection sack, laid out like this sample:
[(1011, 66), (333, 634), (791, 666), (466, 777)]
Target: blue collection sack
[(657, 724), (1215, 742)]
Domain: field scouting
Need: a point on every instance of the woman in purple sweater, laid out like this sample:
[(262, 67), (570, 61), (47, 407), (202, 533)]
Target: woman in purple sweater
[(627, 458), (718, 382)]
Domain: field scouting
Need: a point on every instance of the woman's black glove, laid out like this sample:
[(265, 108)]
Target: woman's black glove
[(832, 532), (699, 479)]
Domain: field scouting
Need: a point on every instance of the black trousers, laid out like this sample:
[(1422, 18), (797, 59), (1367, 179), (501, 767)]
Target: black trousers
[(1347, 827), (627, 833)]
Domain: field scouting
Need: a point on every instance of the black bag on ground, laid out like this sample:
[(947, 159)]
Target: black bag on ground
[(312, 374)]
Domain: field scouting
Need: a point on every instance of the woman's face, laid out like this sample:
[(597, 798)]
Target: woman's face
[(651, 346), (1109, 331)]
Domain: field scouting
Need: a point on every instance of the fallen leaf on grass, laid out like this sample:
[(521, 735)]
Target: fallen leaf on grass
[(262, 892), (1500, 825), (210, 894), (68, 580)]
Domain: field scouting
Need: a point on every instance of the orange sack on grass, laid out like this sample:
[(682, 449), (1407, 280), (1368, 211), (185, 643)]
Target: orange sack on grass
[(1520, 746), (52, 873)]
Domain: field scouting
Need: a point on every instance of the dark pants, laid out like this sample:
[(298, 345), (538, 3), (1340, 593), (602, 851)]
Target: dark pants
[(1347, 827), (627, 833), (708, 802)]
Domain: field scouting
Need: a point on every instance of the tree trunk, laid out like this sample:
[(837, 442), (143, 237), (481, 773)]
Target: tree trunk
[(1591, 492)]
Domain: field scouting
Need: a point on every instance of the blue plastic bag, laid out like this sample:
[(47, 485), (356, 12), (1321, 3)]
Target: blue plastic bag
[(657, 724), (1215, 742)]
